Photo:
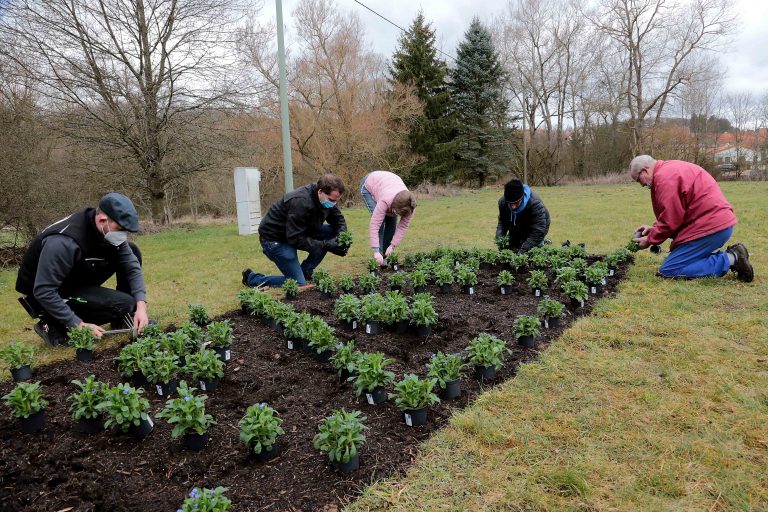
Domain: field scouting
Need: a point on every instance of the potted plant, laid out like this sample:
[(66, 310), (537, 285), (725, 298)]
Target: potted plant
[(322, 341), (393, 260), (296, 331), (369, 283), (344, 239), (346, 360), (418, 279), (372, 311), (161, 370), (194, 332), (83, 340), (502, 242), (443, 278), (565, 274), (538, 282), (187, 414), (485, 352), (340, 436), (198, 315), (526, 328), (259, 429), (252, 301), (219, 336), (84, 405), (319, 275), (515, 261), (594, 275), (347, 283), (580, 265), (277, 313), (488, 259), (129, 357), (428, 267), (396, 311), (412, 396), (397, 281), (126, 409), (347, 309), (206, 500), (467, 278), (372, 266), (423, 315), (550, 311), (177, 343), (505, 280), (538, 259), (327, 287), (19, 358), (577, 292), (616, 258), (446, 369), (291, 288), (205, 368), (28, 405), (372, 377)]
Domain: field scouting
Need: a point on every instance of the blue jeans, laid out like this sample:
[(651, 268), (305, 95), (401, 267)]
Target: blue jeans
[(388, 227), (699, 258), (286, 258)]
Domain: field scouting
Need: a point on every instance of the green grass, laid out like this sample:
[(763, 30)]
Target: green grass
[(658, 401)]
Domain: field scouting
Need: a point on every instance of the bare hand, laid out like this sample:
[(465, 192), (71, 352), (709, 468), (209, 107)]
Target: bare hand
[(97, 331), (642, 242), (390, 250), (379, 259), (140, 318), (644, 229)]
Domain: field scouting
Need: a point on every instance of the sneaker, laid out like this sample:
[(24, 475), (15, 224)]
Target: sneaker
[(741, 266), (307, 286), (51, 335), (246, 274)]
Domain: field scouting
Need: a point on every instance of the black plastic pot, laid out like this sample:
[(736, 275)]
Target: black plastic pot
[(83, 354), (303, 345), (139, 379), (33, 423), (468, 289), (415, 417), (166, 389), (347, 467), (505, 289), (423, 330), (90, 425), (400, 327), (264, 319), (224, 353), (292, 296), (21, 373), (595, 289), (526, 341), (484, 265), (576, 304), (244, 309), (345, 375), (143, 429), (377, 396), (372, 327), (348, 325), (275, 325), (322, 357), (485, 373), (326, 295), (552, 322), (395, 267), (208, 385), (420, 289), (444, 288), (396, 288), (194, 441), (265, 455), (537, 292), (452, 390)]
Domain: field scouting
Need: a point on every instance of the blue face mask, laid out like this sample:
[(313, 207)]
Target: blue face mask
[(327, 204)]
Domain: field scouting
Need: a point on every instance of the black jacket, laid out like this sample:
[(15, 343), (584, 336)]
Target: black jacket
[(297, 216), (528, 228)]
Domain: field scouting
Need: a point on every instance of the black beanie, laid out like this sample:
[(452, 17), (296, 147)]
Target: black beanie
[(513, 191)]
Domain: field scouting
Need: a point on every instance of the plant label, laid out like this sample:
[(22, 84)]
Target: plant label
[(151, 423), (227, 355), (290, 344), (369, 398), (582, 303), (537, 293), (471, 290), (202, 386), (394, 267), (503, 291), (354, 324), (367, 328), (457, 263), (408, 420), (603, 282), (610, 272), (159, 390), (546, 323), (593, 289)]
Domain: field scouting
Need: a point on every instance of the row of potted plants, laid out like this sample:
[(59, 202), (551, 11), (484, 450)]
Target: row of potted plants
[(392, 309)]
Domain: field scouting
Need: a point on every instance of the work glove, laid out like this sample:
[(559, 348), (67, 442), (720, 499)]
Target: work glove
[(379, 259), (390, 250), (333, 246)]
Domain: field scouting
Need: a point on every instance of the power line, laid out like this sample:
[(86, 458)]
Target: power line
[(397, 26)]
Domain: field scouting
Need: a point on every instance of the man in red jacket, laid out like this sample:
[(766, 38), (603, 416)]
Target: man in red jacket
[(690, 209)]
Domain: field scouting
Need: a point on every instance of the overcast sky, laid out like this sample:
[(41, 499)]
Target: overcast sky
[(746, 61)]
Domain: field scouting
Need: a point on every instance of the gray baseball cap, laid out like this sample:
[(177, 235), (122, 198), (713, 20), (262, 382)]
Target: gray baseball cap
[(121, 210)]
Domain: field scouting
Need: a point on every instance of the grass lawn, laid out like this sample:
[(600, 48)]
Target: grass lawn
[(659, 401)]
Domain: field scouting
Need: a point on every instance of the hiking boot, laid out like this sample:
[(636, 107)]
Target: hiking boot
[(51, 335), (741, 266), (246, 274)]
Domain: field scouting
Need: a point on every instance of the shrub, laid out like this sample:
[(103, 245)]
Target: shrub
[(347, 308), (371, 373), (369, 283), (124, 407), (327, 285), (423, 313), (298, 326), (489, 257), (417, 278), (346, 283), (595, 274), (81, 338), (254, 301), (397, 280), (205, 365), (550, 308), (346, 358), (130, 356), (152, 331), (279, 311), (340, 434), (411, 260), (291, 287), (319, 275), (443, 275), (219, 334), (187, 412), (575, 251), (177, 343), (372, 308), (486, 350), (18, 354), (565, 274), (538, 279), (466, 276), (345, 239), (444, 368), (395, 307), (515, 260), (206, 500), (526, 326), (414, 393), (160, 367), (538, 259), (25, 399), (580, 265), (575, 290), (505, 278), (198, 315), (617, 257), (260, 427), (426, 266), (86, 400), (321, 337), (194, 332)]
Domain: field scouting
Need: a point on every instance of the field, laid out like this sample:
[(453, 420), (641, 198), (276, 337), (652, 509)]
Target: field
[(656, 402)]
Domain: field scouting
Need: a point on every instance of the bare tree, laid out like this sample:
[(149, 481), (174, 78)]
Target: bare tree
[(741, 111), (138, 80)]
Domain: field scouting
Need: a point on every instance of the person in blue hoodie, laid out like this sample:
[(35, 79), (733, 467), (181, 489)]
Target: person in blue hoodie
[(522, 216)]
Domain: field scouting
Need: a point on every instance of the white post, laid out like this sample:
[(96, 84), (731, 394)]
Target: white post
[(248, 200)]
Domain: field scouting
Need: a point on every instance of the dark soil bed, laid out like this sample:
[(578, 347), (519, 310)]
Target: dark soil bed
[(60, 468)]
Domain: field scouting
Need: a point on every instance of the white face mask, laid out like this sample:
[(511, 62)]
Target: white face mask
[(115, 238)]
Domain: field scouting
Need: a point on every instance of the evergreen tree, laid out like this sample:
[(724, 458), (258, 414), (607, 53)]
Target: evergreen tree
[(485, 140), (415, 63)]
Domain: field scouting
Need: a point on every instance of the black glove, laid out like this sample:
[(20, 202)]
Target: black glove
[(333, 246)]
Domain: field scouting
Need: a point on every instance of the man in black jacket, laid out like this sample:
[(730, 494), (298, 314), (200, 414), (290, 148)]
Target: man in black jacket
[(522, 216), (64, 267), (297, 221)]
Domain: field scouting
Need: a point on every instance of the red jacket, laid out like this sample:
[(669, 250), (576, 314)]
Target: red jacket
[(687, 202)]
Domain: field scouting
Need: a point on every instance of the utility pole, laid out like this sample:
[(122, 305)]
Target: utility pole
[(284, 124)]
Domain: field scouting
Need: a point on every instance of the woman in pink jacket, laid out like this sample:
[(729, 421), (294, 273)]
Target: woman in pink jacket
[(387, 198)]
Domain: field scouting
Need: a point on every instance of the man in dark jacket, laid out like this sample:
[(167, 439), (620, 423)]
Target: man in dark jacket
[(297, 221), (522, 216), (64, 267)]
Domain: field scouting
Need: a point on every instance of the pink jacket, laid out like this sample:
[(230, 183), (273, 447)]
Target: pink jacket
[(687, 202), (384, 186)]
